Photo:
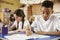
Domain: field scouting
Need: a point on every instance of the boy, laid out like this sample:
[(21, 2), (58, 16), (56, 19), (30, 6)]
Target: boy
[(47, 23)]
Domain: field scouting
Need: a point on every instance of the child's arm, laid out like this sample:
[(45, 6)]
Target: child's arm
[(48, 33), (11, 27), (28, 31)]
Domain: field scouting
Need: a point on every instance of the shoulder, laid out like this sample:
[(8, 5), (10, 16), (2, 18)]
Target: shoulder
[(26, 21), (57, 19)]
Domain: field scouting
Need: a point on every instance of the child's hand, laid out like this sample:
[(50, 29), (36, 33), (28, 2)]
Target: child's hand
[(29, 32)]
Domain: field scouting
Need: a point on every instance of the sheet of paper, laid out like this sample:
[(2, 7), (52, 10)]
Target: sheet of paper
[(24, 37)]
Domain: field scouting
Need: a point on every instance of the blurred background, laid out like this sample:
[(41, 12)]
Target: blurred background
[(31, 8)]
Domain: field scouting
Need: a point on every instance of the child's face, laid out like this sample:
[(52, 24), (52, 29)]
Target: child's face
[(18, 18), (46, 12)]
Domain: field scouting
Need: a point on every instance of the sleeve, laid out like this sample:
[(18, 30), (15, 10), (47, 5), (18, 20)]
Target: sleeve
[(58, 25), (26, 23), (34, 24), (35, 27)]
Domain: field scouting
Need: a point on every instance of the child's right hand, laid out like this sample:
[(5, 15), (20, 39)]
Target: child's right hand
[(28, 32)]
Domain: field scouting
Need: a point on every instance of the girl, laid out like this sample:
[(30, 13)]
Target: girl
[(22, 25)]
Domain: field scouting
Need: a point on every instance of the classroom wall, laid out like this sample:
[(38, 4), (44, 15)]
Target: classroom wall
[(12, 4), (56, 7), (1, 16), (36, 9)]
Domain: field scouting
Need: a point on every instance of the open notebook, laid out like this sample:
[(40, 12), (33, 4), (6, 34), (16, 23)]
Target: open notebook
[(24, 37)]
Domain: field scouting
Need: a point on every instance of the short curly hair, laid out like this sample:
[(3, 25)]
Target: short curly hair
[(47, 4)]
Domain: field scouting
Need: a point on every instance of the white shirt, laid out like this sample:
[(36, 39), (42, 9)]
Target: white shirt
[(26, 24), (51, 25)]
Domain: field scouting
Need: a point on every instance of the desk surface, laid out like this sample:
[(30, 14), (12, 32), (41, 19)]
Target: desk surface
[(44, 38)]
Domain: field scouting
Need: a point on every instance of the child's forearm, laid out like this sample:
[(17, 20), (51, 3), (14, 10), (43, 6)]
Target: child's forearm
[(53, 33), (48, 33)]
